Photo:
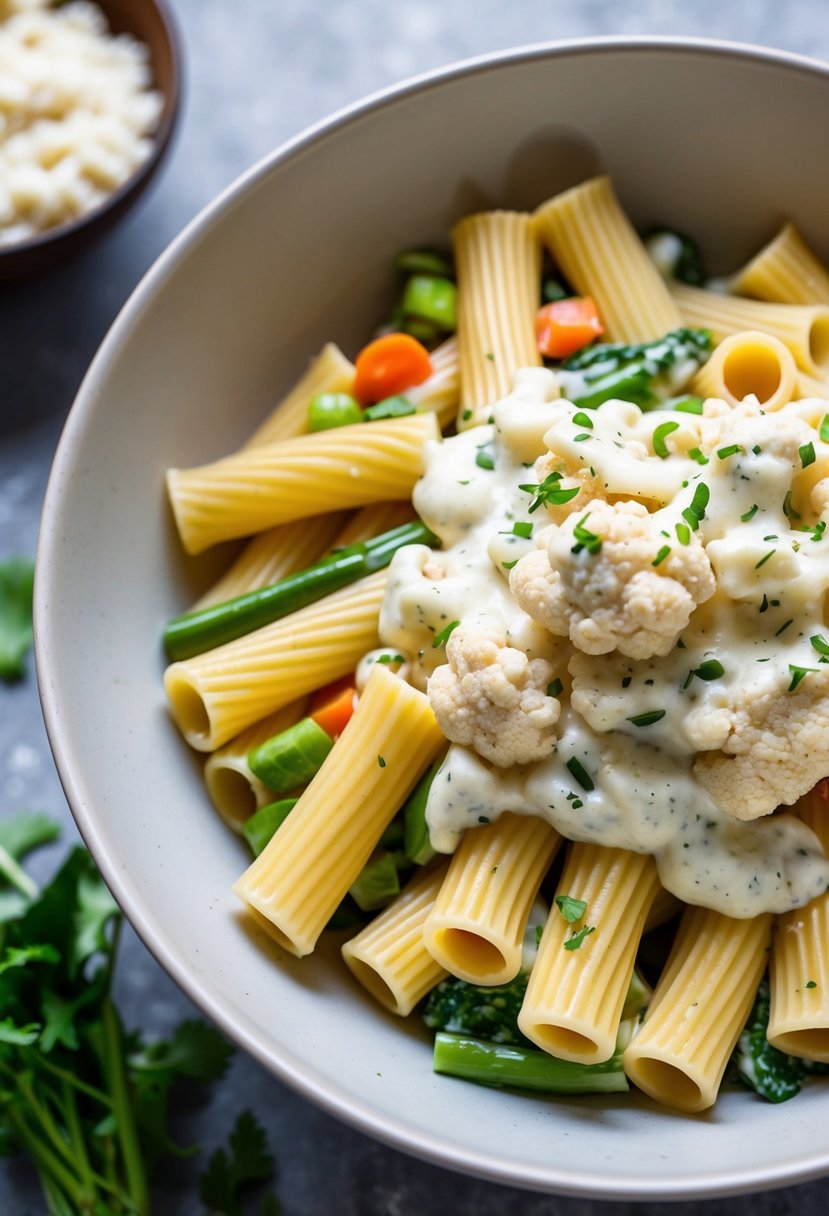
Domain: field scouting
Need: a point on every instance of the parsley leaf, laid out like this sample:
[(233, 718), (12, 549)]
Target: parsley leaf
[(16, 589), (571, 909), (230, 1172), (574, 942)]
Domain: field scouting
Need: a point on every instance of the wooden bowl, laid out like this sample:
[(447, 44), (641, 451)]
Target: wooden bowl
[(150, 22)]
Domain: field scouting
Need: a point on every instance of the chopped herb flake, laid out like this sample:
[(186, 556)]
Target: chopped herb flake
[(798, 674), (555, 686), (571, 909), (750, 513), (823, 430), (522, 529), (731, 450), (580, 774), (764, 559), (576, 940), (807, 454), (819, 642), (647, 719), (440, 639), (381, 762), (485, 457), (788, 509), (661, 555), (660, 434), (810, 984), (585, 539), (582, 419), (697, 455), (509, 565), (683, 534), (581, 438)]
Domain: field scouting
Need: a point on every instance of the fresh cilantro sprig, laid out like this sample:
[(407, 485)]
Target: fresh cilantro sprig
[(229, 1174)]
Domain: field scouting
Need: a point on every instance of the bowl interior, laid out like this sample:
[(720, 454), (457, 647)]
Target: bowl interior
[(150, 22), (295, 255)]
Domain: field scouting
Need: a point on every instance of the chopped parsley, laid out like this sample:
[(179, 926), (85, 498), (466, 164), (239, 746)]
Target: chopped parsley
[(807, 454), (711, 669), (659, 436), (798, 674), (485, 456), (585, 539), (817, 531), (810, 984), (580, 774), (440, 639), (381, 762), (582, 419), (466, 415), (571, 909), (581, 438), (523, 529), (509, 565), (574, 942), (549, 493), (555, 686), (648, 718)]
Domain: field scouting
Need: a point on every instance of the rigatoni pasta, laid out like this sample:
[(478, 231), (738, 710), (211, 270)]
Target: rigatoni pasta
[(558, 628)]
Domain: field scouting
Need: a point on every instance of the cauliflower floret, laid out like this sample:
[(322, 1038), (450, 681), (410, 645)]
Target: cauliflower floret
[(779, 434), (776, 751), (492, 697), (597, 582)]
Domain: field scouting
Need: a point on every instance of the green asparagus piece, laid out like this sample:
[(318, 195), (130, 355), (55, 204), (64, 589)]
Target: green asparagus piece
[(416, 843), (647, 373), (263, 823), (203, 628), (497, 1065), (290, 759)]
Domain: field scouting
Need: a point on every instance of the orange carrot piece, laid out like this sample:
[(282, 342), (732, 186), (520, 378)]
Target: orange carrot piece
[(333, 717), (388, 366), (565, 326)]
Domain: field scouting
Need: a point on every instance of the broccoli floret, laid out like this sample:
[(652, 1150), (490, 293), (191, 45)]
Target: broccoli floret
[(774, 1075), (676, 256), (646, 373), (482, 1013)]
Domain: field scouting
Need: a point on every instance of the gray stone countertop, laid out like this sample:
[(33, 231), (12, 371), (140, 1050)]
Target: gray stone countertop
[(258, 71)]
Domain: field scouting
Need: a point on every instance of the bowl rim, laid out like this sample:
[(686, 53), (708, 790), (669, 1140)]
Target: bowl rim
[(326, 1093), (161, 137)]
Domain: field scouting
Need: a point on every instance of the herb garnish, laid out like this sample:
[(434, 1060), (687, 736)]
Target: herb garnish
[(485, 456), (798, 674), (548, 493), (441, 638), (580, 774), (764, 559), (750, 513), (582, 419), (807, 454), (661, 555), (576, 940), (554, 687), (659, 436), (648, 718), (585, 539), (571, 909), (731, 450), (710, 669)]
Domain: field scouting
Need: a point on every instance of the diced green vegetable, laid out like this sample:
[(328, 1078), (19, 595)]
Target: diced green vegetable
[(424, 261), (263, 823), (552, 290), (676, 256), (416, 843), (204, 628), (774, 1075), (484, 1013), (377, 883), (431, 298), (390, 407), (290, 759), (329, 410), (648, 374), (498, 1065)]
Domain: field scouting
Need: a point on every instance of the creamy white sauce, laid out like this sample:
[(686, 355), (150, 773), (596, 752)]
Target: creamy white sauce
[(608, 779)]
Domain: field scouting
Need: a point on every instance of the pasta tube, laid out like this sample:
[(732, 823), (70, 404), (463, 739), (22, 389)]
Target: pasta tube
[(389, 956), (785, 271), (574, 999), (476, 928), (259, 488), (296, 883), (799, 968), (441, 392), (329, 372), (599, 251), (804, 330), (749, 363), (498, 263), (699, 1008), (233, 789), (215, 695)]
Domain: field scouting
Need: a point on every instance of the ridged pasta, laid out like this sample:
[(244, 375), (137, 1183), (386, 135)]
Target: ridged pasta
[(218, 694), (348, 466), (573, 1004), (389, 956), (807, 386), (699, 1008), (274, 554), (233, 789), (476, 927), (441, 392), (803, 329), (746, 363), (329, 372), (785, 271), (799, 966), (598, 249), (498, 263), (299, 879)]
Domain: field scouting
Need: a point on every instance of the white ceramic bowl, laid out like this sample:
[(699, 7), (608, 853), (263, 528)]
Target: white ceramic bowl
[(722, 141)]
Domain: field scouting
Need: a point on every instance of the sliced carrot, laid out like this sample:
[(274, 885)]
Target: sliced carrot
[(330, 692), (565, 326), (334, 716), (388, 366)]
